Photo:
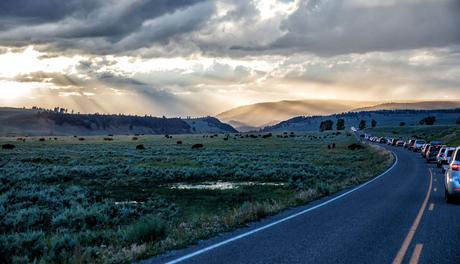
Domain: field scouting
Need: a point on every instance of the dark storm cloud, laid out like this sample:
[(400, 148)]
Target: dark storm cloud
[(21, 12), (151, 28), (339, 27), (91, 25)]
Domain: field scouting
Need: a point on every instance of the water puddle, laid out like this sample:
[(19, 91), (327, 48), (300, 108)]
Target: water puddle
[(219, 185)]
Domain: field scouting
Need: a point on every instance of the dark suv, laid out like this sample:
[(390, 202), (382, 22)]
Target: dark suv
[(432, 152)]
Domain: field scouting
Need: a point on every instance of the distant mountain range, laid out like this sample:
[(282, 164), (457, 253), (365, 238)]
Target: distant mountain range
[(257, 116), (270, 116), (426, 105), (27, 122), (384, 118)]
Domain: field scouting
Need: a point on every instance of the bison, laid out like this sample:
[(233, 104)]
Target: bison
[(197, 146), (8, 146), (140, 147), (355, 146), (269, 135)]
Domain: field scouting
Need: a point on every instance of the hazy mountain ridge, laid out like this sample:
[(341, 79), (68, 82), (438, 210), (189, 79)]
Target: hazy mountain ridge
[(260, 115), (383, 118), (256, 116), (14, 121), (424, 105)]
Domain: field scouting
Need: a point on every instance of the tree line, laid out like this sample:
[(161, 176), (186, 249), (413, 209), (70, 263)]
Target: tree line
[(328, 124)]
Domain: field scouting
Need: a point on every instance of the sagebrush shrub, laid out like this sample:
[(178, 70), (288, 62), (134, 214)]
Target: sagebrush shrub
[(147, 229)]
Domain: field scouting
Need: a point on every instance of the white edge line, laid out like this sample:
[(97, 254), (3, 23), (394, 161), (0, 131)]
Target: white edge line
[(209, 248)]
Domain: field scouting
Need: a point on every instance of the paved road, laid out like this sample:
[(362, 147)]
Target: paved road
[(400, 217)]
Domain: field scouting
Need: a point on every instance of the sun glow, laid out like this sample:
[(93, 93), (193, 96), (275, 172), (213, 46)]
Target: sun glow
[(10, 91), (30, 60)]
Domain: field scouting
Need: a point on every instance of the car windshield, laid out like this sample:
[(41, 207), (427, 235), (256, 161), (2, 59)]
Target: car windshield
[(435, 148), (450, 152), (420, 142), (457, 156)]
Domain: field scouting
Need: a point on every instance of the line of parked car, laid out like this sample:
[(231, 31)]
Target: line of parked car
[(446, 158)]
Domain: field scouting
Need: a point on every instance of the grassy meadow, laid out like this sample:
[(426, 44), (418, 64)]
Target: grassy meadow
[(91, 199)]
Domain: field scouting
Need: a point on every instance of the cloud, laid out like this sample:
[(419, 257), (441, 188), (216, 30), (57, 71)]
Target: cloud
[(202, 56), (88, 26), (55, 78), (328, 28)]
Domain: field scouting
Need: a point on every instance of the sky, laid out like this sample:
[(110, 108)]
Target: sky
[(199, 57)]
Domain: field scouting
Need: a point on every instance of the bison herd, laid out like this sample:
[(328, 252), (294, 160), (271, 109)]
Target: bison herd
[(226, 137)]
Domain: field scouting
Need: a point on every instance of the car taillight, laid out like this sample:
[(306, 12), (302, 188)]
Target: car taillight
[(455, 167)]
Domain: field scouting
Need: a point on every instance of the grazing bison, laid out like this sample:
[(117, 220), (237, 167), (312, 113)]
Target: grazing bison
[(179, 142), (333, 145), (140, 147), (8, 146), (42, 139), (355, 146), (197, 146), (135, 138), (81, 139), (269, 135), (108, 139)]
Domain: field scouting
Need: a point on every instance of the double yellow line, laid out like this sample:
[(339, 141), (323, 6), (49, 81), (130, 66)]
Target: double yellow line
[(418, 248)]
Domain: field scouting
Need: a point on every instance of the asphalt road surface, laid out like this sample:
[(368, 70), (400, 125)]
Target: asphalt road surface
[(399, 217)]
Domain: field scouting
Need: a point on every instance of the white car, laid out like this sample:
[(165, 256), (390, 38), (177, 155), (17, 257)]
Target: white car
[(452, 177), (444, 156), (418, 144)]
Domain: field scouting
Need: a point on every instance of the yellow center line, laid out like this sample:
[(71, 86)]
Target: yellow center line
[(405, 245), (431, 207), (416, 254)]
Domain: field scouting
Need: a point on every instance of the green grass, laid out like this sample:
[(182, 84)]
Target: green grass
[(108, 202)]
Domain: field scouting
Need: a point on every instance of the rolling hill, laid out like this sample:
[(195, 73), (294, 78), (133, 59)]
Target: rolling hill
[(426, 105), (257, 116), (28, 122), (384, 118)]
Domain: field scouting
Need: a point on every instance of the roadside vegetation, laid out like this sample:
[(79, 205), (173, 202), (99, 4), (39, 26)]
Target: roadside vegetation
[(77, 199)]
